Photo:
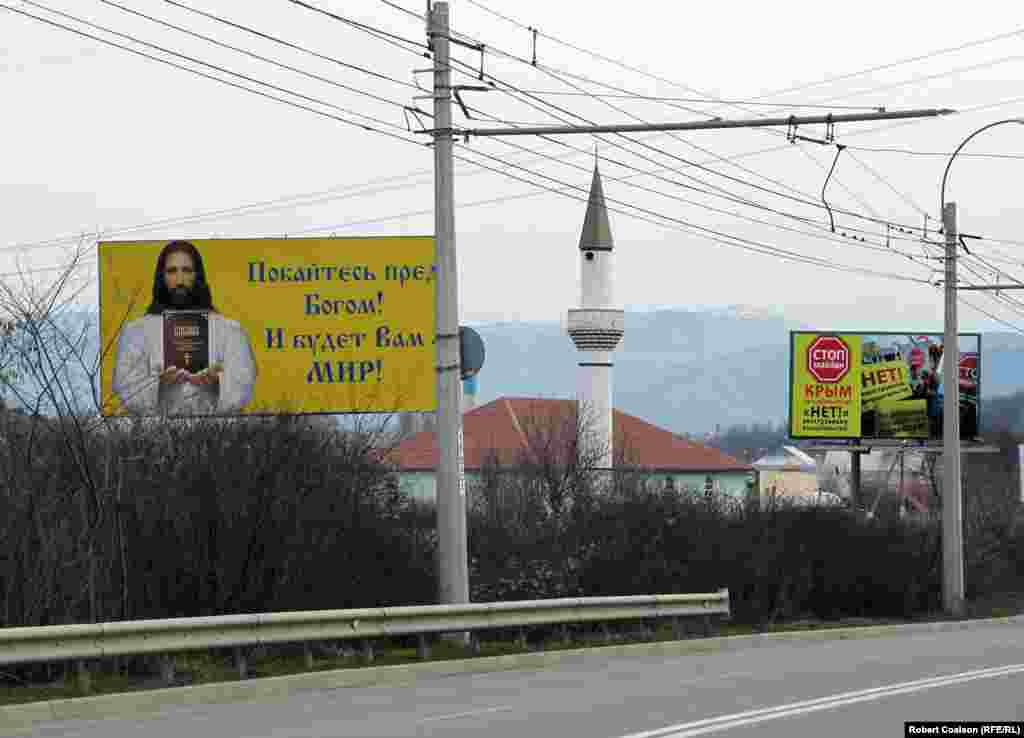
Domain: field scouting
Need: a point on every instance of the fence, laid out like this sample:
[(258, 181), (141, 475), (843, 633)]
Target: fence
[(126, 638)]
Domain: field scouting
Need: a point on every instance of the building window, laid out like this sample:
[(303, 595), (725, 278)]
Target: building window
[(670, 484), (709, 486)]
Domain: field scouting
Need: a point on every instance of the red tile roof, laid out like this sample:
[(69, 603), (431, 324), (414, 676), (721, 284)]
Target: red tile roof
[(505, 426)]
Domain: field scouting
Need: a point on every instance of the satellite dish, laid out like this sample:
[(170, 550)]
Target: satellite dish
[(471, 350)]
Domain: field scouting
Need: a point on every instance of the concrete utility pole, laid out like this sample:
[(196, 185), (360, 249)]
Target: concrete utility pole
[(453, 574), (952, 500)]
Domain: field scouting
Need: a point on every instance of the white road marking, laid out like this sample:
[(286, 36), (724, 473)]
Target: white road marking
[(470, 713), (751, 717)]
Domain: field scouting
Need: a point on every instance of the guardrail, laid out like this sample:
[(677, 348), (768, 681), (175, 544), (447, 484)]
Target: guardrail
[(134, 637)]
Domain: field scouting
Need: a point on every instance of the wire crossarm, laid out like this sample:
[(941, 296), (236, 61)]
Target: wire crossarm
[(712, 124)]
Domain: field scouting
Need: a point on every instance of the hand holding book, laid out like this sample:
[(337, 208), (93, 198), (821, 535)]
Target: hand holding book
[(174, 375), (207, 376)]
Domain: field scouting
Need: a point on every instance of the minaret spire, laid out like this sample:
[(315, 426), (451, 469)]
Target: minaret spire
[(596, 328), (597, 231)]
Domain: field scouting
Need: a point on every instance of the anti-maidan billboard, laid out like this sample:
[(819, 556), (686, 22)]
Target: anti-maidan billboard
[(879, 385)]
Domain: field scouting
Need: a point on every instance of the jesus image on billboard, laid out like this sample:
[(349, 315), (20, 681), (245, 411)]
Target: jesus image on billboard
[(183, 357), (194, 327)]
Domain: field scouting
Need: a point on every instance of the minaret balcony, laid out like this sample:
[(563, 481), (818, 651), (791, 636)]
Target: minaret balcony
[(596, 329)]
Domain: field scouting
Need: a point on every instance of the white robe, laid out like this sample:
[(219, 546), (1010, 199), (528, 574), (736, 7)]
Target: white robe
[(139, 364)]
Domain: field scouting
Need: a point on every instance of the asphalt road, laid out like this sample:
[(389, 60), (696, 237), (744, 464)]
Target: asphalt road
[(842, 688)]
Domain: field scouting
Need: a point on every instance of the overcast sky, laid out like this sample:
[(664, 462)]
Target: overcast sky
[(97, 138)]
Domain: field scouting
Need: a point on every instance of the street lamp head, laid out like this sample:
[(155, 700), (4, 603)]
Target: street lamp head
[(945, 174)]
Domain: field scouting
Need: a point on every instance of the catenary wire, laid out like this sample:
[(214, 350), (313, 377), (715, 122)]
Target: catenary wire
[(709, 100), (1006, 35), (955, 71), (802, 200), (252, 55), (380, 33), (675, 136), (724, 194), (319, 112), (714, 234), (104, 0), (1016, 33), (192, 59), (943, 154), (396, 6), (730, 159), (289, 44), (796, 88), (863, 243)]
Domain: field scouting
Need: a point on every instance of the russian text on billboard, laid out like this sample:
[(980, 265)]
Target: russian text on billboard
[(317, 325), (878, 385)]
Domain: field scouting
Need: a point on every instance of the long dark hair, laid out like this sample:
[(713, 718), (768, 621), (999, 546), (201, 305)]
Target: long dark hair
[(201, 289)]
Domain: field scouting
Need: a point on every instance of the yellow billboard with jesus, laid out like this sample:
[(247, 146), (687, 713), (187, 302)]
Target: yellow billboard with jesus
[(267, 326)]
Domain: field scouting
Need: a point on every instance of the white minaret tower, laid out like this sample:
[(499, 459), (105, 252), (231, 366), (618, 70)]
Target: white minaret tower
[(596, 328)]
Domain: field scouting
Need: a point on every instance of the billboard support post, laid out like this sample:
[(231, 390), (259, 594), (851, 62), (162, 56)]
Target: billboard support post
[(952, 500), (453, 576), (855, 478)]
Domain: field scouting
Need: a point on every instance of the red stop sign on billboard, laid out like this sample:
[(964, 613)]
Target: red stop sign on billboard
[(968, 369), (828, 359)]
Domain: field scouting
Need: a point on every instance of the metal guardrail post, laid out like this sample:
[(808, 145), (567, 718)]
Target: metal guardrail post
[(423, 646), (241, 662), (677, 628), (366, 650), (83, 677), (167, 668)]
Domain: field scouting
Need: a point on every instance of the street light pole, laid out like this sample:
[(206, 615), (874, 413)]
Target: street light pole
[(952, 493)]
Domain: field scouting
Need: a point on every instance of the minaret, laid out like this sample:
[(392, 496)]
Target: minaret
[(596, 328)]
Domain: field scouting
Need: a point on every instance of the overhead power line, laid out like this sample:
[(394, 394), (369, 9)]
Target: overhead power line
[(730, 238), (257, 208), (372, 30), (560, 76), (195, 60), (926, 78), (396, 6), (289, 44), (822, 235), (940, 154), (711, 233), (1018, 32), (804, 200), (357, 124), (709, 100), (254, 55)]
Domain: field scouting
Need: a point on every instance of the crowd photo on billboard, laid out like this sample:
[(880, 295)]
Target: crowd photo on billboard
[(923, 393), (880, 385)]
